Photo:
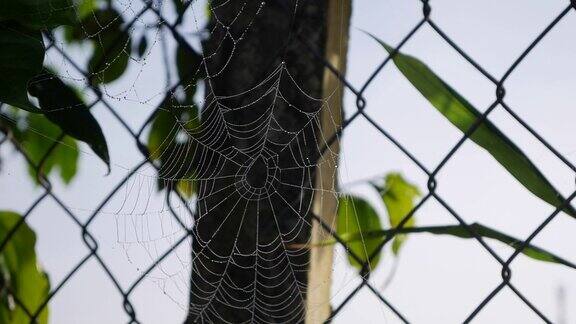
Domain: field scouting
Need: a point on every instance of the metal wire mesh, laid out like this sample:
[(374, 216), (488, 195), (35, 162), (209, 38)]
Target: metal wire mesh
[(499, 85)]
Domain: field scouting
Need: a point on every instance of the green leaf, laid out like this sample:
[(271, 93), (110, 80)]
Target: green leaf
[(179, 6), (96, 21), (483, 231), (112, 45), (62, 106), (111, 57), (85, 8), (463, 115), (187, 187), (21, 59), (188, 66), (171, 146), (39, 14), (36, 135), (399, 197), (20, 275), (356, 217), (530, 251), (142, 46), (93, 21), (163, 130), (39, 137), (208, 9)]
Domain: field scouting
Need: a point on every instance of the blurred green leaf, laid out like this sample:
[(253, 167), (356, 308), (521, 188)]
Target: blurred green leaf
[(171, 145), (39, 137), (36, 135), (38, 14), (463, 115), (179, 6), (142, 46), (85, 8), (20, 275), (356, 217), (97, 21), (208, 9), (399, 197), (188, 66), (21, 57), (163, 130), (187, 187), (112, 45), (111, 57), (62, 106), (92, 21), (112, 51)]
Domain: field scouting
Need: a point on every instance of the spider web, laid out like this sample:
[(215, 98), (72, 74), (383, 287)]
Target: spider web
[(244, 265), (250, 151)]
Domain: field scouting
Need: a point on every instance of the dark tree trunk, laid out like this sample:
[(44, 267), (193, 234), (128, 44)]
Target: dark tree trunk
[(259, 138)]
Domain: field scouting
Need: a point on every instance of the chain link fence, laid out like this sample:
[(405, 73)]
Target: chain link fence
[(361, 112)]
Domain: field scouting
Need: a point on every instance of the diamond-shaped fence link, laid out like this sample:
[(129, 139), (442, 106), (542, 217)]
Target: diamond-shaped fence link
[(499, 85)]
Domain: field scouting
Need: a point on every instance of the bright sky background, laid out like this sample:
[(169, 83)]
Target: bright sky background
[(439, 279)]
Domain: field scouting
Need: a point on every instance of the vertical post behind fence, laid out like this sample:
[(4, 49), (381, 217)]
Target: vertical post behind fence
[(325, 202)]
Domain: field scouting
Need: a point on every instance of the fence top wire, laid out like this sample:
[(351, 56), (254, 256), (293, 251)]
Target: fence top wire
[(362, 111)]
